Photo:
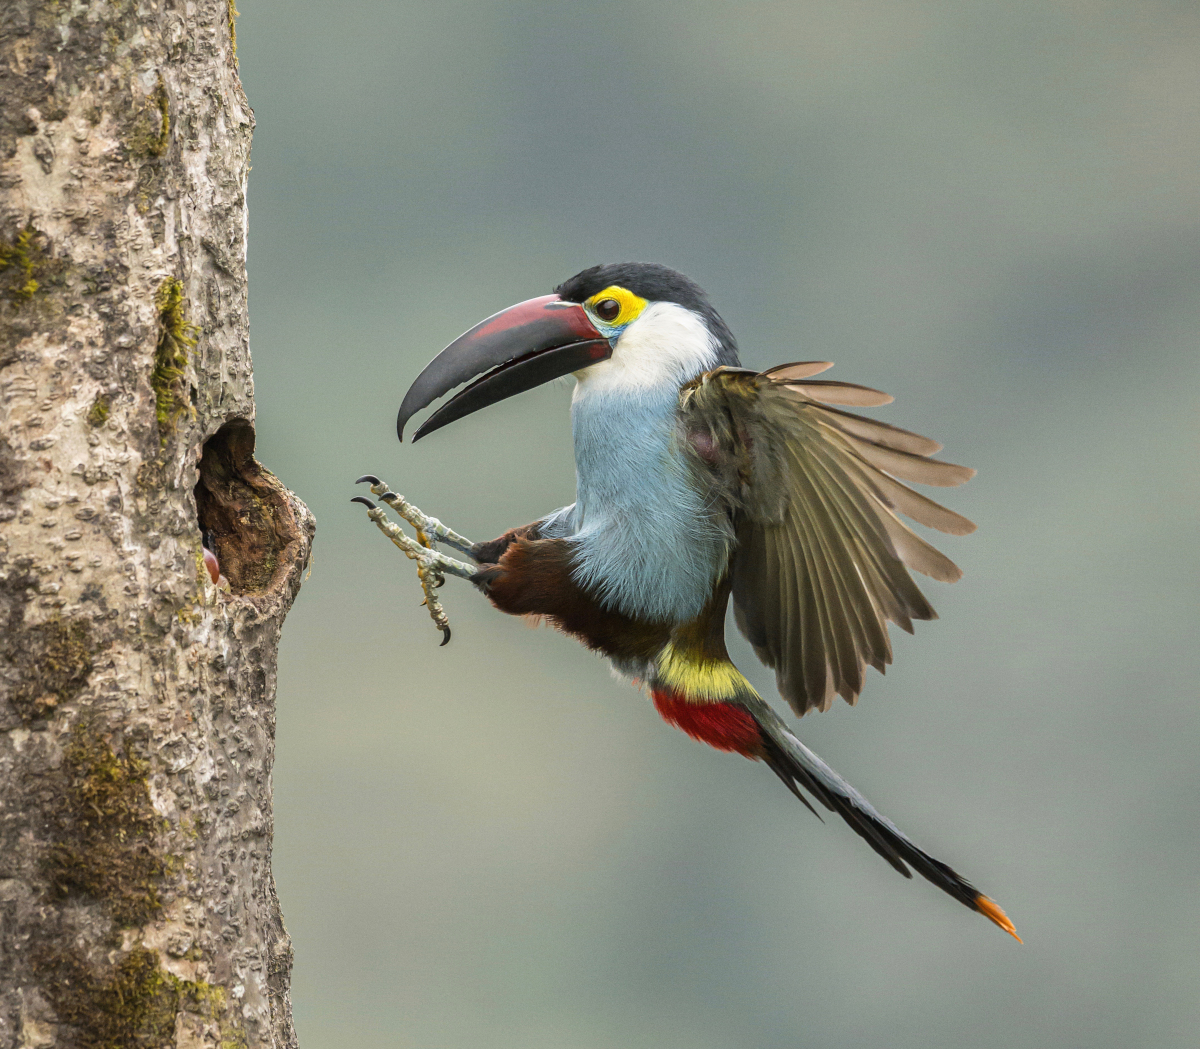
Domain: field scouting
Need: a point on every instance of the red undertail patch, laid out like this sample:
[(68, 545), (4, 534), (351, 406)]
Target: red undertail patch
[(725, 726)]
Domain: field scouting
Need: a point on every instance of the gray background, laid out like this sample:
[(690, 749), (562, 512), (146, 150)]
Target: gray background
[(988, 209)]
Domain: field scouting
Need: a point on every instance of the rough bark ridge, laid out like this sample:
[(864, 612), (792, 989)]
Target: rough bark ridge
[(137, 906)]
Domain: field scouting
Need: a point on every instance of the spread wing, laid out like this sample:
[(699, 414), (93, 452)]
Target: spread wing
[(822, 555)]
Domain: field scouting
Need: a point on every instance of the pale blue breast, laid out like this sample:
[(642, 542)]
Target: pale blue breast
[(648, 546)]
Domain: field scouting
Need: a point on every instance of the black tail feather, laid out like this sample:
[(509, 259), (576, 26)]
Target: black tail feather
[(799, 768)]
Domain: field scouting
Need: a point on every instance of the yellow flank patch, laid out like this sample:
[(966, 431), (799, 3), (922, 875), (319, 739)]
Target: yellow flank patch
[(700, 679), (631, 305)]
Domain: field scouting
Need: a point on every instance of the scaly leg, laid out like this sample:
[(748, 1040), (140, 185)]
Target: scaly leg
[(432, 566)]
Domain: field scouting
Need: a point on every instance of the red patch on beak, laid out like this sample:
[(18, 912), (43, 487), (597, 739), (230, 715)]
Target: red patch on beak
[(725, 726)]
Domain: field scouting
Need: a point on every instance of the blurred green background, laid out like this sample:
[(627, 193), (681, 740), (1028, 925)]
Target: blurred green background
[(990, 210)]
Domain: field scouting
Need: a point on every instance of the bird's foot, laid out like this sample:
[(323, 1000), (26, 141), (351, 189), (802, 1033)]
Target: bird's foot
[(432, 566), (429, 529)]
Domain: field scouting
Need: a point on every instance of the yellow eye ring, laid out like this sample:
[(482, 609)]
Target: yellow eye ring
[(616, 305)]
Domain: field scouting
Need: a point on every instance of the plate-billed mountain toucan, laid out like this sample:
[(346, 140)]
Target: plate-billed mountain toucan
[(698, 482)]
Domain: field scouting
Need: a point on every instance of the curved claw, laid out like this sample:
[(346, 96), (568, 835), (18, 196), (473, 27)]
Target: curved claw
[(445, 637), (366, 502), (368, 477)]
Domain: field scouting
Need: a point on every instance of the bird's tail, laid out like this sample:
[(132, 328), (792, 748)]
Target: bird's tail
[(801, 769), (705, 695)]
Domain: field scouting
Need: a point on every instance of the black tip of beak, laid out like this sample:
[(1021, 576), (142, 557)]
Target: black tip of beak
[(366, 502), (515, 377), (368, 477), (512, 351)]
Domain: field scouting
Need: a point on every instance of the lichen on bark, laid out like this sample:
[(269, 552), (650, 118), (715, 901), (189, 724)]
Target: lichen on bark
[(137, 905)]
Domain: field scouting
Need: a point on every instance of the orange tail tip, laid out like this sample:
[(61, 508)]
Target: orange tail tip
[(991, 910)]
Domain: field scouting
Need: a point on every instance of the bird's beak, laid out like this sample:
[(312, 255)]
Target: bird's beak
[(523, 346)]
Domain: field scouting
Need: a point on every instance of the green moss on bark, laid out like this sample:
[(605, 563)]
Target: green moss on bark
[(53, 665), (23, 259), (132, 1004), (106, 844), (107, 850), (233, 14), (176, 336), (98, 413), (150, 134)]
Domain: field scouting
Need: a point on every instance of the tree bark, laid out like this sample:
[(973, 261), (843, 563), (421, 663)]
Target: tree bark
[(137, 905)]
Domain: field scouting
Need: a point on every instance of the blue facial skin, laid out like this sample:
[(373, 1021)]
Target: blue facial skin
[(611, 332)]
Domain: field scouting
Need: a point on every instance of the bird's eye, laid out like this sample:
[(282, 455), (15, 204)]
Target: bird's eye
[(607, 309)]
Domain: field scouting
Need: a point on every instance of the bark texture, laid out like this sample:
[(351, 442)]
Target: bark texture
[(137, 906)]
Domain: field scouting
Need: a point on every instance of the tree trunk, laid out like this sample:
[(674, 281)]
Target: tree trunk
[(137, 905)]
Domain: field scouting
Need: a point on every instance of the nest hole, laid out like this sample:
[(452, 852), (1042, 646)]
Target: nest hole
[(243, 511)]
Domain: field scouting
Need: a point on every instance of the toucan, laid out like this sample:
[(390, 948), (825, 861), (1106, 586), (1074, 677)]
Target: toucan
[(700, 482)]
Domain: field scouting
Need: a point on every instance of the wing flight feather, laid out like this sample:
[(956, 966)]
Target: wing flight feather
[(822, 558)]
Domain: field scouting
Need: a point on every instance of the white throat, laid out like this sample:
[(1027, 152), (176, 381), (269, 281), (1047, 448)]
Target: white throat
[(666, 346)]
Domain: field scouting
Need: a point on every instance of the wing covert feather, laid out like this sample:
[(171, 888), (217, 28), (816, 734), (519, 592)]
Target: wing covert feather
[(822, 557)]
